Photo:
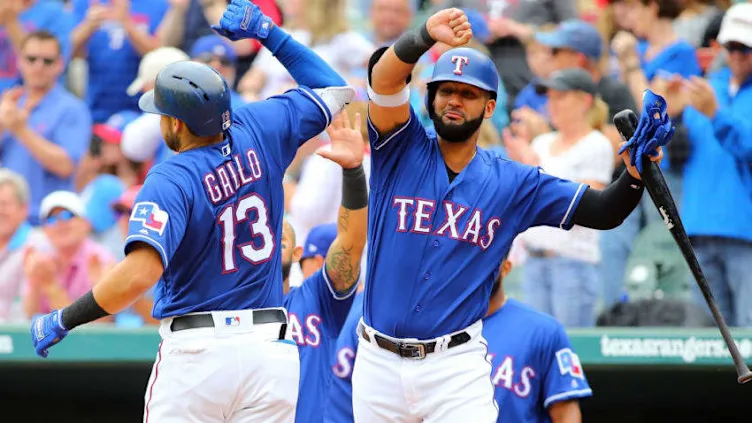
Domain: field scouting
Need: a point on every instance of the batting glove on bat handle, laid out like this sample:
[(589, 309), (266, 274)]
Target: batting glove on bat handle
[(243, 19), (46, 331), (653, 129)]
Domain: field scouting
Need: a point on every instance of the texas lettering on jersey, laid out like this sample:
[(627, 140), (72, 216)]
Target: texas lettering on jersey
[(345, 362), (416, 214), (504, 376), (230, 176), (305, 332)]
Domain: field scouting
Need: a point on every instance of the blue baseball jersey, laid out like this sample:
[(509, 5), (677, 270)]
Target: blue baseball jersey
[(534, 365), (434, 246), (215, 213), (316, 315), (339, 407)]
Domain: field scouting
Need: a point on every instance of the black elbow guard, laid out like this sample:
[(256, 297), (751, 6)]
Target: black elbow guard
[(375, 57)]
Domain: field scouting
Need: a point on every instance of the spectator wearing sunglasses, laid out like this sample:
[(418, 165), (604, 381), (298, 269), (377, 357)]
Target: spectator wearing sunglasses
[(717, 202), (68, 263), (17, 19), (216, 52), (45, 128)]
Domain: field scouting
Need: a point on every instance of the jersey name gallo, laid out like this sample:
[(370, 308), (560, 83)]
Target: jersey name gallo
[(230, 176)]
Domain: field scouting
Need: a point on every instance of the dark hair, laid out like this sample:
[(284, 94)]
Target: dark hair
[(667, 9), (42, 35)]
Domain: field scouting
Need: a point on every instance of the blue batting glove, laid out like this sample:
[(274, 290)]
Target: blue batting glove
[(47, 331), (243, 19), (654, 130)]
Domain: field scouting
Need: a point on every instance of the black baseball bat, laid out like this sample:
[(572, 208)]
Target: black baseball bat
[(626, 123)]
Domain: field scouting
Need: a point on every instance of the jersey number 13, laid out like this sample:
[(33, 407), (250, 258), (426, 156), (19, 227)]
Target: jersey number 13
[(236, 213)]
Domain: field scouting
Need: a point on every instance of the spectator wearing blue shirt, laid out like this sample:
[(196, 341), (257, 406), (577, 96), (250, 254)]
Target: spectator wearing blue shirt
[(113, 35), (45, 128), (216, 52), (717, 207), (19, 18), (663, 51)]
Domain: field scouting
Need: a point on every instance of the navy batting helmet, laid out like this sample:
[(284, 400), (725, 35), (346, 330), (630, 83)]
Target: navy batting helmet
[(464, 65), (194, 93)]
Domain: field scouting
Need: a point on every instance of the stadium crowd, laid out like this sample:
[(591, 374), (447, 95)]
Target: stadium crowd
[(75, 147)]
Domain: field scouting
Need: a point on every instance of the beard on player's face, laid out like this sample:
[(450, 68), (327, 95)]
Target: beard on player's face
[(455, 132), (286, 266), (172, 140), (497, 284)]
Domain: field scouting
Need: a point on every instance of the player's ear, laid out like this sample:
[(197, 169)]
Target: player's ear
[(297, 253), (490, 107), (506, 267)]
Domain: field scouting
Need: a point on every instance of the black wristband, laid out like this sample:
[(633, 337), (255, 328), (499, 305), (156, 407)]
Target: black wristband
[(354, 188), (82, 311), (413, 44)]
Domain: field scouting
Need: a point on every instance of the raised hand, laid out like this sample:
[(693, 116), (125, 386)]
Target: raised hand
[(243, 19), (450, 26), (348, 145)]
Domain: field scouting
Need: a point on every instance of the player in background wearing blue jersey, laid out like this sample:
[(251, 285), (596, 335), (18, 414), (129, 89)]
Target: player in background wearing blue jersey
[(442, 214), (537, 375), (318, 307), (206, 228)]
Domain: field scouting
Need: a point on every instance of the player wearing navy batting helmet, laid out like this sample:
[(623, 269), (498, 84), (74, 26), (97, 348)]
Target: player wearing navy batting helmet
[(318, 307), (206, 229), (442, 213)]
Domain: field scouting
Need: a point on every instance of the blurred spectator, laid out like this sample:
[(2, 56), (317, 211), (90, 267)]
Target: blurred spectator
[(98, 197), (694, 18), (511, 23), (389, 20), (69, 263), (216, 52), (17, 19), (579, 44), (316, 245), (717, 209), (123, 208), (561, 275), (662, 52), (142, 138), (321, 25), (541, 63), (46, 129), (112, 35), (15, 233), (104, 154), (188, 20)]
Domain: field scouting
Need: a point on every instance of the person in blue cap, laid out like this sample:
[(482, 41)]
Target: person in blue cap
[(315, 248), (216, 52)]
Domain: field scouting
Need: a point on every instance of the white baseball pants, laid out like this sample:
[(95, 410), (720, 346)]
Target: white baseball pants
[(237, 373), (449, 386)]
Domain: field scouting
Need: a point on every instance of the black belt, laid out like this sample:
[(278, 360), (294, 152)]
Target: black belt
[(416, 350), (205, 320)]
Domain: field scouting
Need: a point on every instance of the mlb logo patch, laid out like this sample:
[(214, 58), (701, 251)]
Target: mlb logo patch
[(232, 321), (151, 216), (569, 363)]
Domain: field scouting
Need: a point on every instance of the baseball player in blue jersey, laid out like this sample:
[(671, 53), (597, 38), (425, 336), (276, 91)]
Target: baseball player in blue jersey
[(318, 307), (537, 375), (442, 214), (206, 228)]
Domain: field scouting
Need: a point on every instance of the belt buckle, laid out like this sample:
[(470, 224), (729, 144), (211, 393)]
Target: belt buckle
[(413, 351)]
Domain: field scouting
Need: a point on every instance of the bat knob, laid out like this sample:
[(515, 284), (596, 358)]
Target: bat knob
[(746, 377)]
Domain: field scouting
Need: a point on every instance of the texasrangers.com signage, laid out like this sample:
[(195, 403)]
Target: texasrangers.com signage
[(688, 350)]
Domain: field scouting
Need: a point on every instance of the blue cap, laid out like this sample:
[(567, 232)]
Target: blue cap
[(214, 45), (98, 197), (319, 240), (576, 35), (478, 24)]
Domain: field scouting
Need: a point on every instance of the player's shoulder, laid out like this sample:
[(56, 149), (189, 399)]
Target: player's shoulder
[(506, 166)]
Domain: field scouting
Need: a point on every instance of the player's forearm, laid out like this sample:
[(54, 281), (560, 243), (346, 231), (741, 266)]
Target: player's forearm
[(608, 208), (305, 66), (121, 287), (565, 412), (390, 73), (343, 258)]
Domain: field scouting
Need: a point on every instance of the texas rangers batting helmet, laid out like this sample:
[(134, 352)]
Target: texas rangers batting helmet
[(194, 93), (464, 65)]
